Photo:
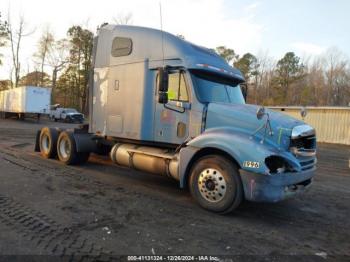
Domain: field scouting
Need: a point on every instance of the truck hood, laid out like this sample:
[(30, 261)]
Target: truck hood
[(74, 114), (242, 118)]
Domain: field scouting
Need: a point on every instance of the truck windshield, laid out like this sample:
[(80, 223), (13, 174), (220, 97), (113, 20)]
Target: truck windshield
[(71, 111), (214, 88)]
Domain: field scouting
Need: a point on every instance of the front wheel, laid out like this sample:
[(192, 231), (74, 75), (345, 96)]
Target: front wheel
[(215, 184)]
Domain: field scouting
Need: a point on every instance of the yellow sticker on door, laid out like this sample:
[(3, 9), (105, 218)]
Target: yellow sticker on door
[(251, 164)]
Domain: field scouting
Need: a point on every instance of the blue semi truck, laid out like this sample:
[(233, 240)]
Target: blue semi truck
[(166, 106)]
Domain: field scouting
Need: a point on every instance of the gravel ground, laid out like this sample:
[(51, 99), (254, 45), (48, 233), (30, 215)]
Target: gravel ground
[(106, 211)]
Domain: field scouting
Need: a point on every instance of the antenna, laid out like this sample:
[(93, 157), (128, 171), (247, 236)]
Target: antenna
[(161, 29)]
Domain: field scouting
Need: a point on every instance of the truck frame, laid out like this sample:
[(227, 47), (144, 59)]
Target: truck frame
[(166, 106)]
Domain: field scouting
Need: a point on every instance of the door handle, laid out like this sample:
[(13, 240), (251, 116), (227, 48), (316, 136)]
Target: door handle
[(185, 105)]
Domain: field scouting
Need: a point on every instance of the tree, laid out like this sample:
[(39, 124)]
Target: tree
[(57, 57), (226, 53), (248, 65), (15, 37), (337, 76), (5, 84), (313, 84), (3, 34), (288, 70), (64, 93), (263, 79), (77, 72), (44, 45), (35, 78), (123, 19)]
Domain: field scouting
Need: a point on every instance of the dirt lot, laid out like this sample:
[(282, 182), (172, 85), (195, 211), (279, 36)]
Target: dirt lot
[(101, 209)]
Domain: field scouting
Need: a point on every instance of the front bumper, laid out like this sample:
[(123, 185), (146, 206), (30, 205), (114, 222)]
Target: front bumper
[(274, 188), (75, 118)]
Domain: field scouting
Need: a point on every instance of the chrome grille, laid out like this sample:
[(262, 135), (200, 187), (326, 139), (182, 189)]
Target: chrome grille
[(77, 117), (307, 142), (304, 148)]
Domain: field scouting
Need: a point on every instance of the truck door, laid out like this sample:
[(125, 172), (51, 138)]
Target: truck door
[(172, 119), (63, 114)]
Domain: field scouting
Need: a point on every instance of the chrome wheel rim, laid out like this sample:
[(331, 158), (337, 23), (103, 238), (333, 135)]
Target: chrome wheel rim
[(212, 185), (45, 143), (64, 148)]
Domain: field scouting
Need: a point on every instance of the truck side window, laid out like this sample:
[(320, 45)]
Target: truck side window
[(121, 46), (177, 87)]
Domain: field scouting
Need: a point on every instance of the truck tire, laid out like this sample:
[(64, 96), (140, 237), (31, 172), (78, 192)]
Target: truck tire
[(67, 150), (215, 184), (48, 142)]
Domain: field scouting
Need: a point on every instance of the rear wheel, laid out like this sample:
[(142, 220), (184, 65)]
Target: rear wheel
[(67, 150), (48, 142), (215, 184)]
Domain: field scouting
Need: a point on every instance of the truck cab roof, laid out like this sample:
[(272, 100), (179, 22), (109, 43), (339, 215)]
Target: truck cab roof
[(148, 44)]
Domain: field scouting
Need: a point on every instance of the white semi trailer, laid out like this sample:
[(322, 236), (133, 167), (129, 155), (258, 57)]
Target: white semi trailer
[(24, 101)]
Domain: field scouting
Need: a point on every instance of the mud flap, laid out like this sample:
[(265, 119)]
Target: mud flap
[(37, 146), (85, 143)]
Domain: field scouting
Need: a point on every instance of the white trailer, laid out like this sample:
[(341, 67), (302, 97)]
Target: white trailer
[(25, 100)]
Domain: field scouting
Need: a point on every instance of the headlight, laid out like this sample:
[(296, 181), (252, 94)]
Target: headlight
[(278, 165)]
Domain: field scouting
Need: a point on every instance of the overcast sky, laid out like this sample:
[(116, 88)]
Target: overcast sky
[(307, 27)]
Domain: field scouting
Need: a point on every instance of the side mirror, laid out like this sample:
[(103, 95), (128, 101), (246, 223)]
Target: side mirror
[(260, 113), (303, 112), (163, 80), (163, 97)]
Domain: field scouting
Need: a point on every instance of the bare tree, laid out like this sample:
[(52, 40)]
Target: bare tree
[(335, 69), (44, 46), (3, 34), (263, 78), (57, 58), (315, 83), (15, 37), (123, 19)]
